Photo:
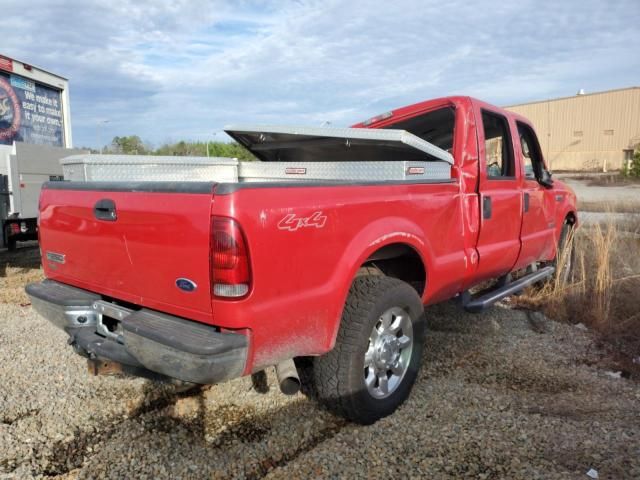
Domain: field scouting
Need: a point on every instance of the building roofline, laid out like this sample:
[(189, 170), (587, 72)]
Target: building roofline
[(571, 96), (35, 66)]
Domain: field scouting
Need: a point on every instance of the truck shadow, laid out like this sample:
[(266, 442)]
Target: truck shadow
[(246, 428), (214, 434), (231, 430)]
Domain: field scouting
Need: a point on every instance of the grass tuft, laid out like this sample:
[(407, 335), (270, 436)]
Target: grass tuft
[(603, 287)]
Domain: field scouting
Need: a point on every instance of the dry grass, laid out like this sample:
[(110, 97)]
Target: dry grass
[(603, 289), (623, 206), (16, 270)]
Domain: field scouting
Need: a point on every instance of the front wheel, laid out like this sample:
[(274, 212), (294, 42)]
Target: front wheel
[(378, 351)]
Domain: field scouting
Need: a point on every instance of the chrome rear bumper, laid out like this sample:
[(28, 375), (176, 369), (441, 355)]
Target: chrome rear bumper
[(145, 341)]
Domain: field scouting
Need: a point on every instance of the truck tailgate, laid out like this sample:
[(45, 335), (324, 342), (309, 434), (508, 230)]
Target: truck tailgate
[(159, 234)]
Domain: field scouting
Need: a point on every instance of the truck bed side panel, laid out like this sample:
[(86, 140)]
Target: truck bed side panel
[(306, 244)]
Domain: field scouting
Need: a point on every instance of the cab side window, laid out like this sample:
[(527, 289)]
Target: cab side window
[(531, 155), (499, 161), (526, 156), (435, 127)]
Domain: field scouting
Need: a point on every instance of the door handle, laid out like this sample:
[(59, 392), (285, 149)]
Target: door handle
[(486, 207), (526, 202), (105, 209)]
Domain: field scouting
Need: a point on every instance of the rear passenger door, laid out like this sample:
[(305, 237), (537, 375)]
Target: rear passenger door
[(538, 227), (500, 196)]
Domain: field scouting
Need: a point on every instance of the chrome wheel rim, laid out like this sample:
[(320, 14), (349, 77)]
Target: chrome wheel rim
[(387, 358)]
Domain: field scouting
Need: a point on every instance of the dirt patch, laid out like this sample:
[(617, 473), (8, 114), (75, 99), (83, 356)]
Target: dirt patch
[(601, 195), (518, 377), (623, 206), (233, 423), (609, 180)]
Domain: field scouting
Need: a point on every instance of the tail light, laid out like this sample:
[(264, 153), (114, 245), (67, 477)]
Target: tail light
[(230, 273)]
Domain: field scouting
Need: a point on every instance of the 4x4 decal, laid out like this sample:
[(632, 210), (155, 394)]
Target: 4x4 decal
[(292, 223)]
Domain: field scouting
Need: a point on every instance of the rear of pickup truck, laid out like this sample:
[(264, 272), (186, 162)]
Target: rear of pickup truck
[(129, 270), (204, 281), (325, 252)]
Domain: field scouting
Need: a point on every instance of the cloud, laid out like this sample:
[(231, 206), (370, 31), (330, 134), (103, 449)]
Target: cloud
[(173, 69)]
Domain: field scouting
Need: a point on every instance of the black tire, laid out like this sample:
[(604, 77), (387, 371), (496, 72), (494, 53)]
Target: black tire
[(338, 376), (11, 245)]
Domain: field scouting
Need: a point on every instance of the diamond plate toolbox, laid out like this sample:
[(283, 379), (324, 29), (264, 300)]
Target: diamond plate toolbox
[(113, 168), (343, 171)]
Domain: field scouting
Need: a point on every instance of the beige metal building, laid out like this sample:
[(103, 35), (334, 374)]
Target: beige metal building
[(589, 132)]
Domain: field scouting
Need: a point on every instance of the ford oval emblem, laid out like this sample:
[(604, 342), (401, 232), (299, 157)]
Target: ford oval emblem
[(186, 285)]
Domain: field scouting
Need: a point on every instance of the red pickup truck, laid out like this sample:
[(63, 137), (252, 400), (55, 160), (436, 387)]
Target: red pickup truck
[(205, 281)]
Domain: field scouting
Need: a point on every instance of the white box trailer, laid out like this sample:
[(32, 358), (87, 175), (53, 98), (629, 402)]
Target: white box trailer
[(35, 132), (23, 170), (34, 105)]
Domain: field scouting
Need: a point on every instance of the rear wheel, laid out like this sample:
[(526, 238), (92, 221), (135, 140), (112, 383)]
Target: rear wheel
[(378, 351)]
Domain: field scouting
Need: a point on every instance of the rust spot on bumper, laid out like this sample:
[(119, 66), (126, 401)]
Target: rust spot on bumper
[(104, 367)]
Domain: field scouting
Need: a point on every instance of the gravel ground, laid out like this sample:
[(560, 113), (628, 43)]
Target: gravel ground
[(626, 222), (618, 204), (605, 198), (602, 193), (505, 394)]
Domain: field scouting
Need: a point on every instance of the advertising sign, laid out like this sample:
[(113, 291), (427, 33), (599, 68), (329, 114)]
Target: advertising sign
[(29, 112)]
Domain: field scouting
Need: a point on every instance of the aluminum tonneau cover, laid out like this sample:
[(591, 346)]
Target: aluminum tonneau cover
[(291, 143)]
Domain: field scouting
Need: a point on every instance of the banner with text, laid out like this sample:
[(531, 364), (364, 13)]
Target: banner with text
[(29, 112)]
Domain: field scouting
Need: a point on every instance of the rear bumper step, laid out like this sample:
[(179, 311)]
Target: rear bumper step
[(479, 304), (140, 339)]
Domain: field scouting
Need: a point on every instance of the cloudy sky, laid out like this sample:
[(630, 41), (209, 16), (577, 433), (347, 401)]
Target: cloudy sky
[(174, 69)]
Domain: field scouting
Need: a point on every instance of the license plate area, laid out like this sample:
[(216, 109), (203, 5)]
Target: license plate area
[(109, 319)]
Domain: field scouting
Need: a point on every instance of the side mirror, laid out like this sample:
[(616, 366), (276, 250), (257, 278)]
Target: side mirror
[(545, 179)]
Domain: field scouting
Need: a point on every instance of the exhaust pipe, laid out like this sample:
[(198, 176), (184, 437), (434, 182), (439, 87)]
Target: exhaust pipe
[(288, 378)]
